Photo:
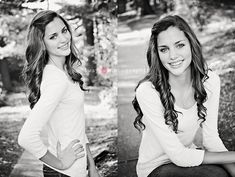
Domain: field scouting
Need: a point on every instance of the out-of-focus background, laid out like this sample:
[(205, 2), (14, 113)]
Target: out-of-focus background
[(94, 26), (214, 24)]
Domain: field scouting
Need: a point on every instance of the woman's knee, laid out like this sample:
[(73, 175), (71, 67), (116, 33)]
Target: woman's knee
[(167, 170), (218, 171)]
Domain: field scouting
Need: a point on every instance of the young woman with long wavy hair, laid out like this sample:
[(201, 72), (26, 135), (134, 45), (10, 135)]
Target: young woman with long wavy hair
[(56, 97), (178, 95)]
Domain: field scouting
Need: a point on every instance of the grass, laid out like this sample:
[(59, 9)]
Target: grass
[(10, 150), (227, 110)]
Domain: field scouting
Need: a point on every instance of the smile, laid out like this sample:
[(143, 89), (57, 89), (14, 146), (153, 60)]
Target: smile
[(64, 46), (176, 63)]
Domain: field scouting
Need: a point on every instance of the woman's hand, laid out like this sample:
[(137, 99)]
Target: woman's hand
[(70, 154)]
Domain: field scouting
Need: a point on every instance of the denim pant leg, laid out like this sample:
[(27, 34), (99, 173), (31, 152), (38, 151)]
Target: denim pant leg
[(171, 170), (49, 172)]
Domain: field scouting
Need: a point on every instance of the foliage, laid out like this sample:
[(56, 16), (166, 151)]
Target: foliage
[(202, 16), (12, 34), (103, 48), (10, 150), (226, 109), (10, 7)]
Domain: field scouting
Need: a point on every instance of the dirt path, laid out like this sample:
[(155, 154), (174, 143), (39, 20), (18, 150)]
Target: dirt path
[(131, 68)]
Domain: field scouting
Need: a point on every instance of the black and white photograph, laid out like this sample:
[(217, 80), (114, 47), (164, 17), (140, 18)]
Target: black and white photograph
[(117, 88)]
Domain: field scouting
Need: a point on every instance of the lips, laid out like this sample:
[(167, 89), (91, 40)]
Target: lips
[(64, 46), (176, 63)]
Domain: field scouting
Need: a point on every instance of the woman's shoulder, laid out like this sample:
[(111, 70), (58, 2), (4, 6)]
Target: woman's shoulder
[(54, 76), (213, 77), (145, 85), (52, 72), (146, 88), (213, 80)]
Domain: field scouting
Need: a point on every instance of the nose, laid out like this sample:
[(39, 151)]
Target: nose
[(63, 38), (173, 54)]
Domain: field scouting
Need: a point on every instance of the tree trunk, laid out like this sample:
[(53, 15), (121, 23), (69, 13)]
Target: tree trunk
[(121, 6), (91, 64), (4, 71), (146, 8)]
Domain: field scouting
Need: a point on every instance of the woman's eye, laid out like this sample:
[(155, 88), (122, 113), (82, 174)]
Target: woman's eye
[(53, 37), (65, 30), (163, 50), (180, 45)]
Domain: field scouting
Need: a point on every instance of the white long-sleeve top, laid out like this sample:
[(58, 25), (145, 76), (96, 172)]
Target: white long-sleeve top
[(160, 144), (61, 109)]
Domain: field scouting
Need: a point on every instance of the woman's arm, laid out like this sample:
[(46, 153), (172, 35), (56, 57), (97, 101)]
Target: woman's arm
[(64, 158), (226, 157), (151, 106), (218, 153), (91, 164), (52, 89), (211, 139)]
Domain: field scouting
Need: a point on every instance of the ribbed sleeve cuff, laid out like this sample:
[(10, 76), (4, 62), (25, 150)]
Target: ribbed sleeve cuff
[(199, 156)]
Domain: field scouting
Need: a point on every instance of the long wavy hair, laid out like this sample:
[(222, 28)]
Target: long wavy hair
[(158, 75), (37, 56)]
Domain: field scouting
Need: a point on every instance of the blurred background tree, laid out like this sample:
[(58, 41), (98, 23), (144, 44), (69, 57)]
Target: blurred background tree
[(13, 24), (196, 9)]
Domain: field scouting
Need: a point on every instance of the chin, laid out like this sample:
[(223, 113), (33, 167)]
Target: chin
[(178, 72), (65, 53)]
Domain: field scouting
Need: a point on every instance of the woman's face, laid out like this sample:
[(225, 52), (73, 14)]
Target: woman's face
[(174, 51), (57, 39)]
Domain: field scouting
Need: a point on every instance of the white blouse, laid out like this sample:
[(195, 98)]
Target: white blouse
[(161, 145), (61, 109)]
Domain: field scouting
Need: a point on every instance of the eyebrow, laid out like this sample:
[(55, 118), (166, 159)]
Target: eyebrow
[(175, 43), (50, 35)]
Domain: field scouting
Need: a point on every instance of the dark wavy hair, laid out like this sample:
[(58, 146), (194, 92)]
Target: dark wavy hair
[(158, 75), (37, 56)]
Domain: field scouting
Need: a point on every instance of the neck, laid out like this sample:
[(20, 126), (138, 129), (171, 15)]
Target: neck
[(182, 81), (58, 62)]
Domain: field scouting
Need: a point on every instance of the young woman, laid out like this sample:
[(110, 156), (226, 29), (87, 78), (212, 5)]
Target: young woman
[(56, 98), (177, 96)]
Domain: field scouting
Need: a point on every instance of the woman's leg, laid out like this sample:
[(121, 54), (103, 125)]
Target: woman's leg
[(171, 170), (49, 172)]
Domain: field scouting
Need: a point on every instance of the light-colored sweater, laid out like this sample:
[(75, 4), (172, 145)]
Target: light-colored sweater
[(161, 145), (61, 109)]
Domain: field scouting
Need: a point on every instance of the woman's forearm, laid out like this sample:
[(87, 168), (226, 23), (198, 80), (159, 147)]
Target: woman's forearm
[(219, 157), (53, 161)]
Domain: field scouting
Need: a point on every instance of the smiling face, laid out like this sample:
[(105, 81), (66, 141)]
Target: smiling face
[(57, 39), (174, 51)]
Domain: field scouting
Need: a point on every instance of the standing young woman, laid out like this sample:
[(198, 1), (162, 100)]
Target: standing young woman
[(56, 98), (177, 96)]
